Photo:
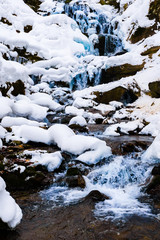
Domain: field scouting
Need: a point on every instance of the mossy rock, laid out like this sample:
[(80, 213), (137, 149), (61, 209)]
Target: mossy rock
[(150, 51), (113, 3), (142, 33), (34, 4), (154, 88), (154, 10), (117, 72), (119, 94)]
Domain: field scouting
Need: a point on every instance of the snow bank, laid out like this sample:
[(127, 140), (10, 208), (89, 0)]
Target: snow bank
[(79, 120), (10, 212), (18, 121), (89, 149), (153, 152), (50, 160), (123, 127)]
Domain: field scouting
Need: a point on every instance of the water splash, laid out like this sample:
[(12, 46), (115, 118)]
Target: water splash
[(120, 179)]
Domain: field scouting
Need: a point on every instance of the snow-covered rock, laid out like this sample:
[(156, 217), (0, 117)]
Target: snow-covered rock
[(10, 212)]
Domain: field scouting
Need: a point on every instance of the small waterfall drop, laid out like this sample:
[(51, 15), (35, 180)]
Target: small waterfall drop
[(120, 178)]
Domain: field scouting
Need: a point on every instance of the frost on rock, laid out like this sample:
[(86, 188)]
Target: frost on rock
[(10, 212)]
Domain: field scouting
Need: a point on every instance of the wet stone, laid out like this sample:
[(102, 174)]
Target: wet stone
[(96, 196), (75, 181)]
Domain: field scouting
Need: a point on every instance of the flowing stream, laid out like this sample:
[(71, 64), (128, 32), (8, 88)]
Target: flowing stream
[(120, 178)]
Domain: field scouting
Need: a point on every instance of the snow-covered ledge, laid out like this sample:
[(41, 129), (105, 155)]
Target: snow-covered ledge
[(10, 212)]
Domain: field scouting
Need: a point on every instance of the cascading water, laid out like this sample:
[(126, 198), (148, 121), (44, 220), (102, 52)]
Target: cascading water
[(120, 178), (99, 29)]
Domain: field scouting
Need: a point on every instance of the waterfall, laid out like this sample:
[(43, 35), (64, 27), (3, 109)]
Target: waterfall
[(120, 178)]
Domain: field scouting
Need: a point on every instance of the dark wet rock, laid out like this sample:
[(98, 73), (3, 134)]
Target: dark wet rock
[(154, 88), (125, 144), (117, 72), (3, 226), (29, 179), (120, 94), (1, 166), (78, 128), (75, 181), (153, 187), (96, 196), (59, 118), (130, 147), (156, 170), (73, 171)]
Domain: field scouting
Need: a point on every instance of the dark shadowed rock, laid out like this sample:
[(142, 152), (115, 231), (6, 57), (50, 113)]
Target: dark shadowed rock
[(153, 187), (34, 4), (142, 33), (96, 196), (78, 128), (154, 88), (120, 94), (154, 10), (156, 170), (75, 181), (73, 171), (18, 88)]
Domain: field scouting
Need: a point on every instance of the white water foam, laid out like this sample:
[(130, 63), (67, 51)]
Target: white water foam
[(121, 180)]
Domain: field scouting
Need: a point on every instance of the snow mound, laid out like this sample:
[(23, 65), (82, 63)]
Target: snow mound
[(50, 160), (89, 149), (79, 120), (10, 212)]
